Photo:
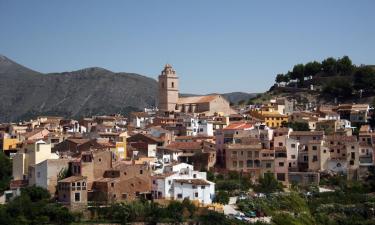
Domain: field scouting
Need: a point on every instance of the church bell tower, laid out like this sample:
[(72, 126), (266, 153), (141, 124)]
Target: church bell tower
[(168, 89)]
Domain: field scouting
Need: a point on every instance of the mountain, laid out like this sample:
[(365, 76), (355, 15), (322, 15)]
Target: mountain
[(26, 94), (233, 97), (91, 91)]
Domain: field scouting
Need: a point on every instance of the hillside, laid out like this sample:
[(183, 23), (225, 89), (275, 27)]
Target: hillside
[(330, 81), (27, 93), (92, 91), (233, 97)]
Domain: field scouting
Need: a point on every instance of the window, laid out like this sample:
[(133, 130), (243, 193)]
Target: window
[(280, 176), (179, 196), (280, 144), (314, 147), (338, 151), (203, 187), (77, 197), (315, 158), (234, 163), (169, 182), (281, 164), (268, 165), (240, 164), (249, 163), (305, 158), (249, 154), (124, 196), (112, 184), (141, 172), (172, 84), (194, 186), (293, 145), (293, 156), (196, 194), (257, 163), (256, 154), (100, 159), (38, 174), (162, 84), (194, 175), (154, 181)]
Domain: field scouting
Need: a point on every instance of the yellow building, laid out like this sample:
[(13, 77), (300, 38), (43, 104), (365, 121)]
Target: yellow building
[(120, 150), (270, 117), (10, 143)]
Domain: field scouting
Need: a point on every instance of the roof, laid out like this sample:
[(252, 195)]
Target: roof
[(72, 179), (198, 99), (185, 145), (306, 133), (238, 126), (192, 181), (163, 175), (34, 132), (78, 141)]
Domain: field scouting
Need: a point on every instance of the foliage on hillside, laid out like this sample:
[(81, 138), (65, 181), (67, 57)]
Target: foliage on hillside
[(338, 78)]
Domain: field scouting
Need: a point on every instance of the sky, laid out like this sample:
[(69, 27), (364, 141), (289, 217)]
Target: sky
[(214, 45)]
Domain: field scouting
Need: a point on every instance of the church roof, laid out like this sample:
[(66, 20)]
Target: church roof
[(198, 99)]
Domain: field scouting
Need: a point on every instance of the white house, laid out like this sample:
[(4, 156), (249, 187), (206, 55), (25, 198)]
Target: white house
[(45, 173), (180, 181)]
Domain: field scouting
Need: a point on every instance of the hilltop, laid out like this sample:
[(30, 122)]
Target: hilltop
[(330, 81)]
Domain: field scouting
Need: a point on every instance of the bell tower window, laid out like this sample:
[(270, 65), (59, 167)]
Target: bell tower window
[(172, 84)]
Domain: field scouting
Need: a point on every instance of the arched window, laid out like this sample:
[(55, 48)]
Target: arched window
[(172, 84)]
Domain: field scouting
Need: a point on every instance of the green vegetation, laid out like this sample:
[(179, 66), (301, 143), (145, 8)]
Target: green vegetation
[(152, 213), (338, 78), (232, 183), (268, 184), (34, 206), (5, 172), (352, 202), (297, 126)]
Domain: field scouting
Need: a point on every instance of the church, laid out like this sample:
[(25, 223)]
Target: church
[(169, 100)]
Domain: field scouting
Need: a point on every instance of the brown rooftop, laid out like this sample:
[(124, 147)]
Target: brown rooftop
[(72, 179), (192, 181)]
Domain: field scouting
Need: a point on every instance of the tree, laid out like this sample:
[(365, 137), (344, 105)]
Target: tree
[(212, 217), (364, 78), (297, 126), (344, 66), (312, 68), (340, 88), (329, 66), (222, 197), (279, 78), (298, 73), (268, 184), (5, 171)]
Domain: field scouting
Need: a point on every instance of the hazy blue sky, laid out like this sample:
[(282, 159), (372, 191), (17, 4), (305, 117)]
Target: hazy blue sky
[(215, 46)]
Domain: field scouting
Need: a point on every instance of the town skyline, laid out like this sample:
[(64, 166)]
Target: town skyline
[(204, 42)]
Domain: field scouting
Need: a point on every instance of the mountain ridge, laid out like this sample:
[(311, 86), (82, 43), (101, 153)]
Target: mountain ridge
[(85, 92)]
